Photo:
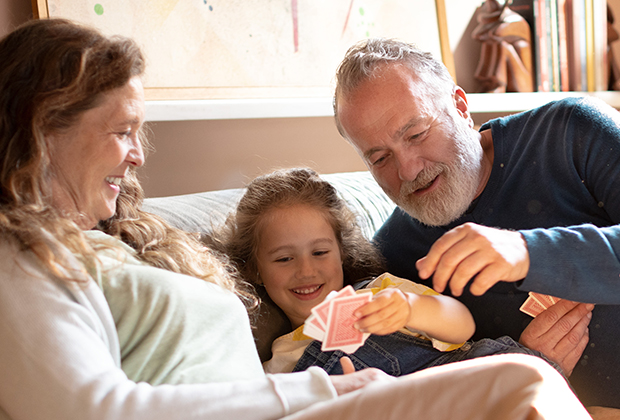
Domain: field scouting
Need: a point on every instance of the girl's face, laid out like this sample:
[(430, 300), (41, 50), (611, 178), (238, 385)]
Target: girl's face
[(298, 259)]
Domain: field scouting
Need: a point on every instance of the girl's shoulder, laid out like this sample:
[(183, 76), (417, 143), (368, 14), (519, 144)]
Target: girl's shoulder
[(387, 280)]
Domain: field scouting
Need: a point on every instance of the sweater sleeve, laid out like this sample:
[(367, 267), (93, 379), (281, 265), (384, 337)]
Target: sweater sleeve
[(60, 361), (581, 261)]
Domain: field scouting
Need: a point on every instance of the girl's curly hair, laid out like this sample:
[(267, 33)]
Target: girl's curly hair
[(238, 238)]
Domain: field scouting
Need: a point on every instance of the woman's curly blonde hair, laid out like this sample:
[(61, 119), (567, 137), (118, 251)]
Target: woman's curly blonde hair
[(54, 70)]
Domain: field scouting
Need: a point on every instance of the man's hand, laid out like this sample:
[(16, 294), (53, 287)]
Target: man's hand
[(560, 333), (352, 380), (470, 250)]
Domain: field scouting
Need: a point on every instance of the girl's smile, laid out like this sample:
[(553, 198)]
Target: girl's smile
[(298, 259)]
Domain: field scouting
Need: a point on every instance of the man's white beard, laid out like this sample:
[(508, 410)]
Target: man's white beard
[(460, 180)]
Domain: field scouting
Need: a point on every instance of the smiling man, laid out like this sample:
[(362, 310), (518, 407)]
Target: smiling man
[(531, 202)]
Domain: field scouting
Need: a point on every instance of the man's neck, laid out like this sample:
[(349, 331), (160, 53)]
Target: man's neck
[(486, 141)]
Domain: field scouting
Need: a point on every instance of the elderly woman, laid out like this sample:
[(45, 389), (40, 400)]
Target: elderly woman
[(106, 312)]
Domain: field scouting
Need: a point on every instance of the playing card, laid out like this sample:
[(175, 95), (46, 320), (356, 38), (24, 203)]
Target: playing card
[(321, 311), (532, 307), (313, 328), (544, 300), (340, 334)]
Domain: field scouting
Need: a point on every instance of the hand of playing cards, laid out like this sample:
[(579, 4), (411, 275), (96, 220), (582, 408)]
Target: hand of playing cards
[(331, 321), (536, 303)]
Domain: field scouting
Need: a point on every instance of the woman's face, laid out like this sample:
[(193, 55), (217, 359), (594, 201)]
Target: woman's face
[(298, 259), (90, 160)]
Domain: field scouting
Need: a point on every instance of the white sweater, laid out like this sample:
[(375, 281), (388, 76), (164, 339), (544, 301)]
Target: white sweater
[(60, 359)]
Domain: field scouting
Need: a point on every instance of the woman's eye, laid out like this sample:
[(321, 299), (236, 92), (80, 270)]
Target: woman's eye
[(124, 134)]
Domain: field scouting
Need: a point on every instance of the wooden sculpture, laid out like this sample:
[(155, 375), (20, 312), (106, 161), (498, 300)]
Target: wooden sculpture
[(506, 55)]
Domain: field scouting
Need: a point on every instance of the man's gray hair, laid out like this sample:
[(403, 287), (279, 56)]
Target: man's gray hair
[(366, 56)]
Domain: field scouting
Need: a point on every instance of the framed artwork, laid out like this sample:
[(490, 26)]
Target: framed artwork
[(233, 49)]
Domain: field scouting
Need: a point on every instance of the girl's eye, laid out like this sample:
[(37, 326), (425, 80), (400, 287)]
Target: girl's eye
[(319, 253), (283, 259)]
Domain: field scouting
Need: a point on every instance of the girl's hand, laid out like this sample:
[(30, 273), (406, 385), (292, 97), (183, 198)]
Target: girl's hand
[(441, 317), (387, 312)]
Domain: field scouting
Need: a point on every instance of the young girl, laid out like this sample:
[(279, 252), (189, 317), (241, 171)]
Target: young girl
[(293, 235)]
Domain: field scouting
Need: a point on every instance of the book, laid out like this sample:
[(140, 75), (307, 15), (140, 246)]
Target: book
[(589, 15), (576, 43), (542, 54), (569, 43), (554, 44), (563, 45), (599, 24)]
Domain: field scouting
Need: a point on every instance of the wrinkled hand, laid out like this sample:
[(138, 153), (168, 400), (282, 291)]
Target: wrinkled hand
[(352, 380), (387, 312), (560, 333), (470, 250)]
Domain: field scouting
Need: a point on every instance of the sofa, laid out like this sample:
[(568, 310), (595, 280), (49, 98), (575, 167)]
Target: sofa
[(200, 212)]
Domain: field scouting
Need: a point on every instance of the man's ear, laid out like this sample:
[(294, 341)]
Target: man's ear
[(460, 103)]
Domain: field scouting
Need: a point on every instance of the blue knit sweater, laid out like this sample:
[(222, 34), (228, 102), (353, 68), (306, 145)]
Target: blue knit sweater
[(556, 179)]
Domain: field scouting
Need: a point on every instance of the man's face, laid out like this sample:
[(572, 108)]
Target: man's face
[(418, 144)]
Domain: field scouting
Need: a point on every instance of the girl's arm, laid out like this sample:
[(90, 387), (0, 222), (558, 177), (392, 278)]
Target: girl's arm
[(441, 317)]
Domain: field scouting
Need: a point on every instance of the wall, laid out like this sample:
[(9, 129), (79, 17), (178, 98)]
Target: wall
[(201, 155), (12, 13), (193, 156)]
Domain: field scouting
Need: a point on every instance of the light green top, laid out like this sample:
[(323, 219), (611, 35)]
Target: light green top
[(170, 326)]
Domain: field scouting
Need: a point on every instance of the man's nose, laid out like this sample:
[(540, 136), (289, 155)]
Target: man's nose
[(408, 166)]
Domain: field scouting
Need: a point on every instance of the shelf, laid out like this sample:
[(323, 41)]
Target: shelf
[(517, 102), (226, 109), (223, 109)]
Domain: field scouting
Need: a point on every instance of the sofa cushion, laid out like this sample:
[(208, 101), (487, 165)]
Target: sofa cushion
[(200, 212)]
